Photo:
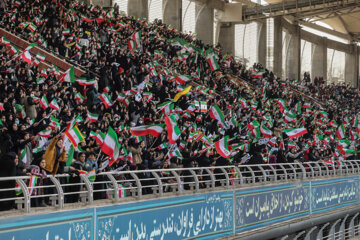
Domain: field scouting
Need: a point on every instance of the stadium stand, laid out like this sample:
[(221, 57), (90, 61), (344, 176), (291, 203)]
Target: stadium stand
[(89, 90)]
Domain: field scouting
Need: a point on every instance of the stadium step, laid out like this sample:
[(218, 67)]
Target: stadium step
[(50, 58)]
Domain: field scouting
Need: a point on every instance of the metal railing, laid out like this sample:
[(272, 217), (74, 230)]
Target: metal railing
[(60, 190)]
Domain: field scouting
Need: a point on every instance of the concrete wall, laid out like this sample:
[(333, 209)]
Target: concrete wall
[(172, 12), (352, 66), (262, 43), (319, 59), (277, 64), (204, 26), (227, 37), (293, 56), (138, 8)]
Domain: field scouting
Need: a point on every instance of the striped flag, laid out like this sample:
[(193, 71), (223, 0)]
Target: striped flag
[(44, 102), (68, 76), (54, 104), (44, 133), (93, 117), (211, 59), (75, 136), (32, 183), (222, 147), (111, 144), (154, 130), (106, 100), (172, 128)]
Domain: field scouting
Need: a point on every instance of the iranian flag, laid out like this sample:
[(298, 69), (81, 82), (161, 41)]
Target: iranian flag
[(4, 41), (79, 97), (75, 136), (100, 137), (172, 128), (23, 156), (44, 133), (41, 57), (211, 59), (111, 144), (14, 50), (340, 132), (216, 113), (131, 45), (32, 183), (136, 37), (289, 117), (106, 99), (68, 76), (26, 56), (265, 131), (257, 74), (44, 102), (86, 82), (54, 104), (93, 117), (32, 27), (243, 103), (222, 147), (144, 130), (182, 79), (66, 32), (295, 132)]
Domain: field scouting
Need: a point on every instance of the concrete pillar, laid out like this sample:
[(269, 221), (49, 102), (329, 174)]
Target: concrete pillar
[(204, 23), (319, 60), (138, 8), (277, 64), (172, 10), (293, 63), (352, 66), (262, 44), (227, 37)]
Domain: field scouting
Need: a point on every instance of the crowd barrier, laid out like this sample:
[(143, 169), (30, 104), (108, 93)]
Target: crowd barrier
[(207, 215), (115, 185)]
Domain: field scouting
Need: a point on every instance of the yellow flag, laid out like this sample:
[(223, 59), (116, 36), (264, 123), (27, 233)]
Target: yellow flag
[(183, 92)]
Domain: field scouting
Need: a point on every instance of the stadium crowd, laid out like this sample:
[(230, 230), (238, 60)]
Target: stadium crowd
[(171, 100)]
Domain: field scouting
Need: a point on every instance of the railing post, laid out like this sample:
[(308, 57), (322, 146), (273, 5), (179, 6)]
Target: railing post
[(89, 188), (274, 171), (212, 177), (226, 176), (342, 228), (59, 190), (319, 167), (138, 184), (298, 235), (159, 183), (26, 194), (263, 172), (115, 185), (302, 170), (252, 174), (293, 169), (352, 225), (195, 179), (320, 234), (240, 175), (307, 236), (285, 172)]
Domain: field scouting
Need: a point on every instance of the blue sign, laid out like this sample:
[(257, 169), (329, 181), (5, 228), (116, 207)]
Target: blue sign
[(201, 216), (334, 193), (196, 216), (267, 205), (69, 225)]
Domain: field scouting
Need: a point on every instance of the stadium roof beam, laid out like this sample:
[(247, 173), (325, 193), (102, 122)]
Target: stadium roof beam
[(298, 7), (326, 30), (216, 4)]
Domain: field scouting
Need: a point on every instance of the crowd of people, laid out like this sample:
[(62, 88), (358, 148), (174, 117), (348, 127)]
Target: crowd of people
[(138, 74)]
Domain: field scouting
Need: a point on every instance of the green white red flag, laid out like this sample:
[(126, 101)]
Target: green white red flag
[(144, 130)]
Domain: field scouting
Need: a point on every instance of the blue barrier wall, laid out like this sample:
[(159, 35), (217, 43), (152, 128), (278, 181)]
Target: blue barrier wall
[(200, 216)]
